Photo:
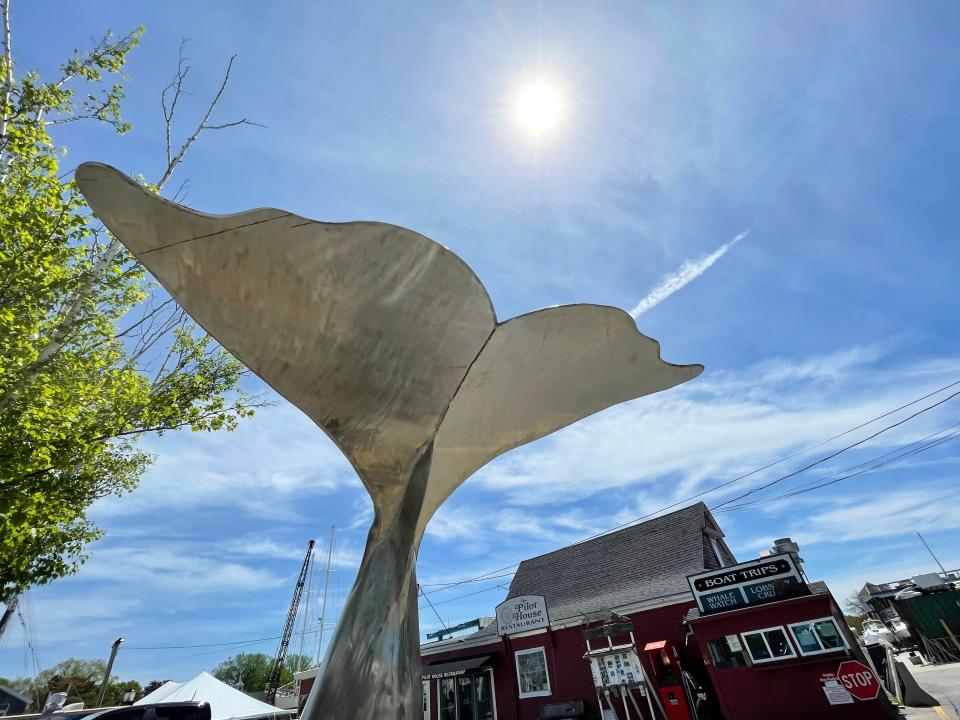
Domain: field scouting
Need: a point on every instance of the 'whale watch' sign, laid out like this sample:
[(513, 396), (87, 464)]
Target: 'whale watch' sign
[(522, 613), (751, 583)]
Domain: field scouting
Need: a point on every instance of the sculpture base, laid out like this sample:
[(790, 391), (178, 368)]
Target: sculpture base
[(372, 668)]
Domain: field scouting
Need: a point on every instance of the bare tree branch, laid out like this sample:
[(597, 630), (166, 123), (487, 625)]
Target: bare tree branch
[(62, 330), (176, 87), (204, 124)]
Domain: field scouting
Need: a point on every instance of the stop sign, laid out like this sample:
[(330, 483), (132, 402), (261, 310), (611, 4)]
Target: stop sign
[(858, 679)]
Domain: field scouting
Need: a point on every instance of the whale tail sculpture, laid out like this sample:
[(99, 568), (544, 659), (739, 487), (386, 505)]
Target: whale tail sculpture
[(388, 342)]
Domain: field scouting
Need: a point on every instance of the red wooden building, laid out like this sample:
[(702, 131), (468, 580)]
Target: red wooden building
[(637, 577), (639, 572)]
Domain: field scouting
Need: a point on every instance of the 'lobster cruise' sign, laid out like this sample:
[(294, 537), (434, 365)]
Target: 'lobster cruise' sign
[(751, 583), (522, 613)]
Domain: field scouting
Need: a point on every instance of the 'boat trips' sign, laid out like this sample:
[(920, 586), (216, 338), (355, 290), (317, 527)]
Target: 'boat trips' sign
[(751, 583), (522, 613)]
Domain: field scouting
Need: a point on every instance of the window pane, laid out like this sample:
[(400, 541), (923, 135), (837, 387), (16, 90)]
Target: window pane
[(758, 650), (805, 637), (465, 697), (484, 697), (448, 700), (532, 672), (779, 645), (722, 656), (829, 634)]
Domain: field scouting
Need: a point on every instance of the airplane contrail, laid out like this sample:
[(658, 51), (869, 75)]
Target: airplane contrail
[(688, 272)]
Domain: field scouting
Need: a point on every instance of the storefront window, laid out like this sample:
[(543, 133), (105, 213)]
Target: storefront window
[(426, 699), (726, 652), (448, 699), (532, 673), (768, 645), (484, 689), (465, 697), (818, 636)]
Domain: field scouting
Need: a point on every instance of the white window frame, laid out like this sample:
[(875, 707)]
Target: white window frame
[(822, 650), (428, 696), (718, 551), (772, 658), (546, 670), (493, 691)]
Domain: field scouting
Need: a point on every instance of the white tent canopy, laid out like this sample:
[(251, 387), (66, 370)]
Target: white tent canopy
[(226, 703)]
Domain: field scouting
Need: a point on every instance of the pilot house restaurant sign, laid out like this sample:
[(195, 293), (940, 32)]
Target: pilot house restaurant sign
[(751, 583), (522, 613)]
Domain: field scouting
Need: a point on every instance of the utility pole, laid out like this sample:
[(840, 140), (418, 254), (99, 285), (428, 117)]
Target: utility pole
[(106, 675), (942, 569), (9, 610)]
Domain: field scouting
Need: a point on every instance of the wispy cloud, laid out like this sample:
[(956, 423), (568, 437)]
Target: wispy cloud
[(688, 272), (719, 428)]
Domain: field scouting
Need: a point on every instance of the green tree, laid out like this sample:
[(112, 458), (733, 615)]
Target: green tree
[(250, 671), (92, 354), (153, 685), (116, 691), (80, 679)]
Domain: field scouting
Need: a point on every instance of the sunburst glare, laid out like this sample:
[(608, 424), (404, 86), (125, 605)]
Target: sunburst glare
[(539, 107)]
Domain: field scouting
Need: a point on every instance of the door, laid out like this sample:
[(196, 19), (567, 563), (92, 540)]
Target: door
[(466, 704), (483, 693), (468, 697)]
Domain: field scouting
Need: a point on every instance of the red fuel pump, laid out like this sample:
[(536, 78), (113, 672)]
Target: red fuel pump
[(668, 677)]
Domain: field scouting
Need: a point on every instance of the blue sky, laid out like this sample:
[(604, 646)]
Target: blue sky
[(824, 131)]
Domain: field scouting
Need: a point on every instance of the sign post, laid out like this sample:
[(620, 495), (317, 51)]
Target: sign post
[(858, 679)]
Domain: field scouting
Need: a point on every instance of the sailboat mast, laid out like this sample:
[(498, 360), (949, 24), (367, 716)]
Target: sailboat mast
[(326, 584)]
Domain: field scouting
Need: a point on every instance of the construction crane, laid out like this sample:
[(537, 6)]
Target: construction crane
[(273, 682)]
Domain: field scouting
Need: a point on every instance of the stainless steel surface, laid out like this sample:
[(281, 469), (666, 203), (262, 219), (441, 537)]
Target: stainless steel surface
[(389, 342)]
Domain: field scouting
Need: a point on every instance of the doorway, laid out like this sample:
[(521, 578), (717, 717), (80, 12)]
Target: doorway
[(468, 697)]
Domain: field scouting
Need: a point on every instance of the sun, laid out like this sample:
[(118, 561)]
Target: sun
[(539, 107)]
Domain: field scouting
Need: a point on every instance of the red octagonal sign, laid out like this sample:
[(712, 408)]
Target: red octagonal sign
[(858, 679)]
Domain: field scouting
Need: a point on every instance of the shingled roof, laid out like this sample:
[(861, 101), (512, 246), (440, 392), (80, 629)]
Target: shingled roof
[(644, 563), (638, 564)]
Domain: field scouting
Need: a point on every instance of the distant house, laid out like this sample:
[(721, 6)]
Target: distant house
[(12, 702)]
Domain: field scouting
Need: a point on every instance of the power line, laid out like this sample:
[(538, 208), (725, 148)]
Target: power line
[(493, 573), (442, 623), (444, 586), (204, 645), (811, 487), (808, 487), (895, 451), (308, 631), (469, 594), (815, 485), (838, 452)]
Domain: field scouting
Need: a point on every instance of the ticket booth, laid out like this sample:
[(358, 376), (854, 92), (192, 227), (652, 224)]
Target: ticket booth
[(775, 646)]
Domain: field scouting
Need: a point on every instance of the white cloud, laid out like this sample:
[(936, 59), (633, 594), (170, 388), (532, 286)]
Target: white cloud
[(688, 272), (668, 446), (850, 518), (270, 465), (176, 567)]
